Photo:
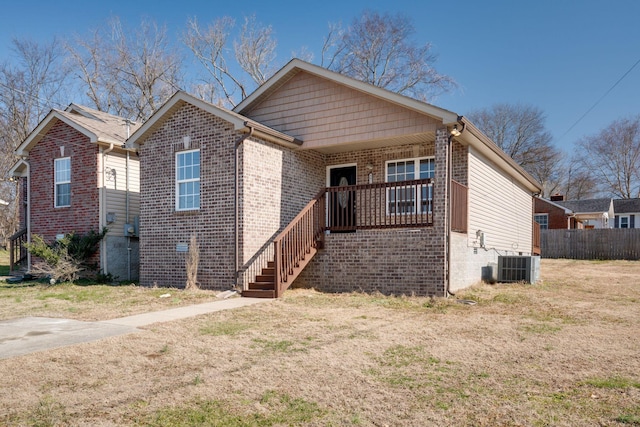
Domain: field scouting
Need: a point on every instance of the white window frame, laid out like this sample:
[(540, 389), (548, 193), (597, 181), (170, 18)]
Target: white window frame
[(544, 226), (417, 202), (626, 217), (59, 182), (179, 181)]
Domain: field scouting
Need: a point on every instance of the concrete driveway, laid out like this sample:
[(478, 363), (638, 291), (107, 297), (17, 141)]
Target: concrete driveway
[(30, 334)]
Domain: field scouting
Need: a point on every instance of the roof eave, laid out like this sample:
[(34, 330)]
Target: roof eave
[(447, 117), (239, 122), (485, 145), (36, 135)]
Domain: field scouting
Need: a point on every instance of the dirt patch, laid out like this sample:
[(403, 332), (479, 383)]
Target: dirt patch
[(563, 352)]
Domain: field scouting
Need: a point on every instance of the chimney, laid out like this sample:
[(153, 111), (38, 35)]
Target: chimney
[(557, 198)]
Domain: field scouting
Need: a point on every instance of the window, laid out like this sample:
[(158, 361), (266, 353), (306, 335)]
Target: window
[(624, 222), (188, 180), (410, 199), (543, 220), (62, 178)]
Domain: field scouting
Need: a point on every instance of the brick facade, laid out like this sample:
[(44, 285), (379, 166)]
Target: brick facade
[(162, 228), (396, 261), (276, 183), (557, 217), (83, 214)]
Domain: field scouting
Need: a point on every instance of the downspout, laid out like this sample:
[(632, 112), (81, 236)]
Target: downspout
[(236, 205), (452, 133), (126, 179), (103, 205), (28, 213)]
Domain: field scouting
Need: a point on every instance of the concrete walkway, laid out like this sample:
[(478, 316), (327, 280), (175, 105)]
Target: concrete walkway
[(31, 334)]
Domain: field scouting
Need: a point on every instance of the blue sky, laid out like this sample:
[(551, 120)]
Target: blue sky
[(561, 56)]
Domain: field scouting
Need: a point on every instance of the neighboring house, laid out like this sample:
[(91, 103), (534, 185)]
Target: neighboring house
[(627, 213), (593, 213), (550, 215), (328, 181), (76, 177)]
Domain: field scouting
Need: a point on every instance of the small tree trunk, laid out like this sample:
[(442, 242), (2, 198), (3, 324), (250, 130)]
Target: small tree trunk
[(193, 258)]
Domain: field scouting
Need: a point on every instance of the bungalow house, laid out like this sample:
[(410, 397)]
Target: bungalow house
[(76, 177), (550, 215), (593, 213), (627, 213), (328, 181)]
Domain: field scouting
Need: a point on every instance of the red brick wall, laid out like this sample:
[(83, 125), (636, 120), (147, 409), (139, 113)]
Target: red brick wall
[(83, 214), (557, 218)]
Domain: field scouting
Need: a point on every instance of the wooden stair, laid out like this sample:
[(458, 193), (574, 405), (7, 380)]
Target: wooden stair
[(265, 284)]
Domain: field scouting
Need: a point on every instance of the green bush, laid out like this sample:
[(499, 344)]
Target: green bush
[(64, 259)]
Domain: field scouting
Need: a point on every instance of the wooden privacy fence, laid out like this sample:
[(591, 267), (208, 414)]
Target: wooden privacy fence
[(606, 243)]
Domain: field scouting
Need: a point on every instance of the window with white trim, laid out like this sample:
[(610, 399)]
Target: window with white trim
[(543, 220), (188, 180), (62, 179), (410, 199), (623, 221)]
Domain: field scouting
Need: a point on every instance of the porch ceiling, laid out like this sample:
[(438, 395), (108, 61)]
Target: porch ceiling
[(328, 148)]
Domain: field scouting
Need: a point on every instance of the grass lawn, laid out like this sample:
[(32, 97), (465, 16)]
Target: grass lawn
[(4, 263), (563, 352)]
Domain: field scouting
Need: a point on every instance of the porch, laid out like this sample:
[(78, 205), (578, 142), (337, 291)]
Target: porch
[(344, 210)]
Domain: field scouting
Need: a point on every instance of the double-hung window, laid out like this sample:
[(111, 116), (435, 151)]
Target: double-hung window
[(543, 220), (62, 178), (188, 180), (410, 199), (623, 222)]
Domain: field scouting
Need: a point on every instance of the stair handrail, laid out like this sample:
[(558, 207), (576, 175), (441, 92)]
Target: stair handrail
[(295, 242), (17, 249)]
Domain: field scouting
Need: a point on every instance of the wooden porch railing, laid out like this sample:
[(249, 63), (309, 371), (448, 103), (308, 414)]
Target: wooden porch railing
[(459, 207), (536, 250), (382, 205), (298, 242), (17, 248)]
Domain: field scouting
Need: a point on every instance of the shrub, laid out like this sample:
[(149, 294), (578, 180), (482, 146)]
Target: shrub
[(64, 259)]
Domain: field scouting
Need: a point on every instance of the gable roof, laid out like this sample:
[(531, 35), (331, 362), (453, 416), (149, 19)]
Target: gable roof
[(238, 121), (626, 206), (296, 66), (98, 126), (566, 210), (473, 136), (587, 206)]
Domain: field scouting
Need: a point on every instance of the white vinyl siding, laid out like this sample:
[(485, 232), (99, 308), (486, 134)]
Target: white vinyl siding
[(499, 207), (62, 177), (188, 180), (116, 189)]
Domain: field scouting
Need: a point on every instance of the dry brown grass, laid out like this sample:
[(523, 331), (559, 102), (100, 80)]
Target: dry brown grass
[(563, 352)]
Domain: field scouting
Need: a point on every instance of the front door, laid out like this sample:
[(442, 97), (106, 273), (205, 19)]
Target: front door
[(342, 212)]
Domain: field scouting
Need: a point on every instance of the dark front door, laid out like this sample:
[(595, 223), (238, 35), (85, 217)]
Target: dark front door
[(342, 212)]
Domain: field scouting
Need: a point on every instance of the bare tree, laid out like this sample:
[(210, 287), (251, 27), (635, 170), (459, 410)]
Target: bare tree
[(377, 49), (254, 52), (520, 132), (577, 181), (127, 72), (613, 157), (29, 87)]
